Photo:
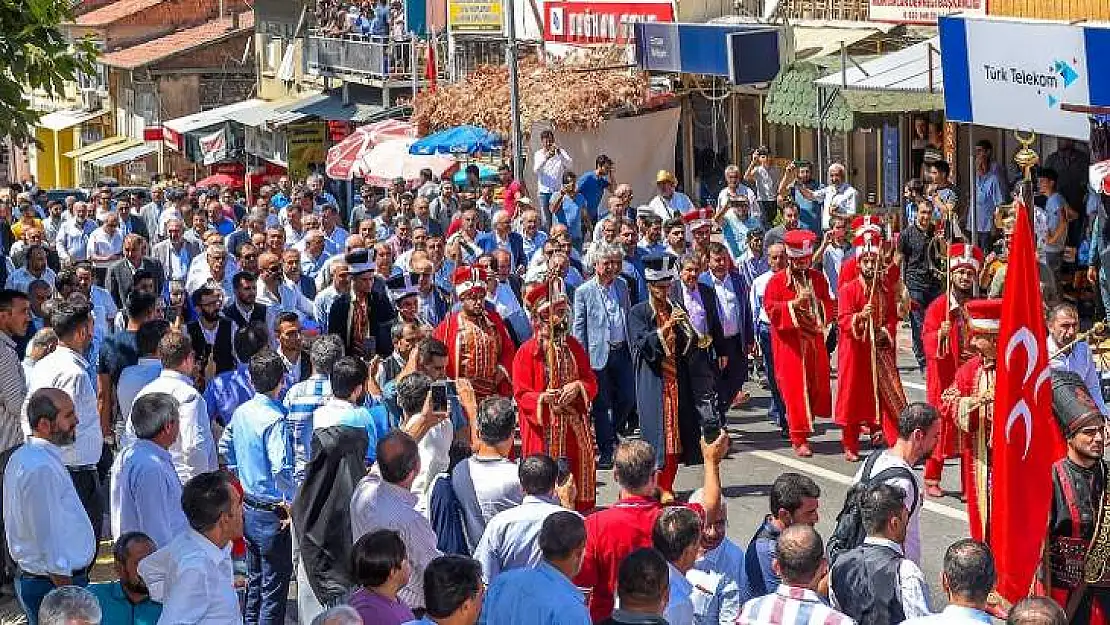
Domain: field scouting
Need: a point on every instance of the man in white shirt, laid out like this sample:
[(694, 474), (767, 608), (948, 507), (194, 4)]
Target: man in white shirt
[(776, 260), (549, 164), (383, 500), (194, 450), (66, 369), (1063, 324), (838, 197), (677, 535), (669, 203), (193, 577), (48, 531), (511, 537), (968, 577), (875, 583), (433, 432), (134, 379), (106, 243), (73, 237), (735, 190), (275, 293), (486, 483), (145, 490), (718, 575), (918, 429)]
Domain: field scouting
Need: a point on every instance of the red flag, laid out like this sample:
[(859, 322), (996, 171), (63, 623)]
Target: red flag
[(431, 71), (1026, 439)]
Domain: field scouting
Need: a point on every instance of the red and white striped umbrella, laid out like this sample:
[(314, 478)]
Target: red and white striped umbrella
[(391, 159), (345, 158)]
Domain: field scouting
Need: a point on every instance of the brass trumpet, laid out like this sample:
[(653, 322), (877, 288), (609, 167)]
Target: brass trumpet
[(1098, 329), (703, 340)]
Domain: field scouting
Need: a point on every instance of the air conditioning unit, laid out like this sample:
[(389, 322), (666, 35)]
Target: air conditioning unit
[(90, 99)]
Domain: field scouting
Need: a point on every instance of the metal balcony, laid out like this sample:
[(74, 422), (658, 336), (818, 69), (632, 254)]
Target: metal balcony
[(368, 60)]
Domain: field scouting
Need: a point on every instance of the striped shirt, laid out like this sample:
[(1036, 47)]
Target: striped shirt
[(790, 605), (302, 399), (13, 391)]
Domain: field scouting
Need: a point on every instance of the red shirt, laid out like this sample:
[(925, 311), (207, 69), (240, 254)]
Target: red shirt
[(512, 193), (611, 535)]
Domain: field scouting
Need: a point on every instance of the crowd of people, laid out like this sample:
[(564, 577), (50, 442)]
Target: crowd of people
[(377, 19), (402, 405)]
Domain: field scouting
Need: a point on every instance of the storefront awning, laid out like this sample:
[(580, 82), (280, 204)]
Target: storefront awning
[(211, 117), (124, 156), (811, 42), (792, 101), (108, 150), (60, 120), (272, 114), (914, 69), (330, 107), (95, 147)]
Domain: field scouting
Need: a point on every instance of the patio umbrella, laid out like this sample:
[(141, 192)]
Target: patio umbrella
[(391, 159), (486, 174), (343, 157), (458, 140), (221, 180)]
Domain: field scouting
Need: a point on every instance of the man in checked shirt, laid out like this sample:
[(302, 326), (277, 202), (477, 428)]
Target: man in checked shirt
[(303, 398)]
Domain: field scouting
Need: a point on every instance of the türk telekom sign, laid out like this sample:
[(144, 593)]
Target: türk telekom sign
[(600, 22)]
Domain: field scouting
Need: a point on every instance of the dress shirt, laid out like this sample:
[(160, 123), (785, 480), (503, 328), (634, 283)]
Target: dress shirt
[(73, 240), (549, 169), (259, 449), (484, 487), (226, 392), (695, 308), (21, 278), (534, 244), (194, 581), (840, 197), (146, 493), (194, 451), (301, 400), (132, 380), (988, 195), (542, 593), (791, 605), (179, 262), (511, 539), (953, 615), (740, 191), (615, 313), (831, 261), (667, 208), (67, 370), (680, 610), (312, 267), (720, 584), (728, 305), (47, 528), (336, 241), (652, 249), (379, 505), (103, 244), (116, 606), (759, 288), (13, 392), (912, 591), (104, 311), (1080, 360), (322, 304), (287, 298), (337, 411), (435, 458)]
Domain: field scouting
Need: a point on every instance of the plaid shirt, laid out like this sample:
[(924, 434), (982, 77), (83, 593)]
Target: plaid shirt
[(302, 399), (790, 605)]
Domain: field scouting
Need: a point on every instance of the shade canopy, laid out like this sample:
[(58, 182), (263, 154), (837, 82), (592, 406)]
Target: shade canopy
[(458, 140), (391, 160), (345, 159)]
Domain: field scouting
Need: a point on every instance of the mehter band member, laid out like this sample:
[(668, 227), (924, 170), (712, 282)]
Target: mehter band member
[(553, 385), (479, 347)]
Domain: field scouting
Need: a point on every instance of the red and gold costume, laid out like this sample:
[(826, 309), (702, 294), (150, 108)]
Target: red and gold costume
[(478, 349), (559, 432), (798, 340), (944, 358), (870, 389)]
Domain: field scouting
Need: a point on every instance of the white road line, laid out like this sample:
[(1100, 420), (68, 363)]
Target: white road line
[(937, 508)]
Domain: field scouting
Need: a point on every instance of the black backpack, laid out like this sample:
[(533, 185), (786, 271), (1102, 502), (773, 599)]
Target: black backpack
[(849, 532)]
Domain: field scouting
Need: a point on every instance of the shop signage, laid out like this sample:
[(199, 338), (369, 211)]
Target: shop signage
[(1016, 74), (213, 147), (172, 139), (600, 22), (474, 16), (704, 48), (922, 11), (153, 133), (307, 148)]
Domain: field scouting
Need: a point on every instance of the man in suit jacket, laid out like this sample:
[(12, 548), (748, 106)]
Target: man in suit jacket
[(501, 237), (121, 273), (737, 333), (129, 222), (176, 252), (432, 303), (362, 318), (601, 306)]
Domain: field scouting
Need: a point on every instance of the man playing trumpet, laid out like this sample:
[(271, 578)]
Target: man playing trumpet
[(554, 385), (800, 308), (1070, 351)]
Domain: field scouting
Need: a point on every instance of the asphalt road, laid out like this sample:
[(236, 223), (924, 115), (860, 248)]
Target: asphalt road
[(760, 454)]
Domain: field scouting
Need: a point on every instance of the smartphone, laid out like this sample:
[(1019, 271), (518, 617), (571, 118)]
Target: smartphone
[(710, 432), (564, 470), (439, 395)]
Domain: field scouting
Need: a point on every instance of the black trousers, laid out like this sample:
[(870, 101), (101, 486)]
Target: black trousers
[(87, 482)]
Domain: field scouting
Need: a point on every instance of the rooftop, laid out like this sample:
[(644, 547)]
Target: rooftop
[(115, 11), (178, 42)]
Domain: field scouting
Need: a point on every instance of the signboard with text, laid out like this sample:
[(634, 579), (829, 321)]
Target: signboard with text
[(1015, 75), (600, 22), (922, 11), (474, 16)]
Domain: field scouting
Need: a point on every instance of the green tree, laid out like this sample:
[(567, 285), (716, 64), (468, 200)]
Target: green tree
[(35, 55)]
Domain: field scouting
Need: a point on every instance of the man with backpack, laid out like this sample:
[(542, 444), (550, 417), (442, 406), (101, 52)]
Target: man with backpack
[(918, 431), (874, 583)]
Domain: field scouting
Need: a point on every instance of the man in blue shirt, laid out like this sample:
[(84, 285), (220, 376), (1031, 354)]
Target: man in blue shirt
[(304, 397), (794, 500), (231, 389), (568, 207), (128, 602), (593, 184), (258, 447), (544, 593), (347, 405)]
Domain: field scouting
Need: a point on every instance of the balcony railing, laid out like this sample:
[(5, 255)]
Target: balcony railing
[(363, 59)]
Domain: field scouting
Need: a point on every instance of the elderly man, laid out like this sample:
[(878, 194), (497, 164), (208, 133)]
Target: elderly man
[(73, 236), (502, 238), (1072, 354), (121, 273), (363, 316), (275, 292), (175, 253), (837, 197), (314, 255), (669, 203)]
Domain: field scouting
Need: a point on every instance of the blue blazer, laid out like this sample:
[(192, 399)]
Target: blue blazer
[(591, 322), (488, 242), (740, 286)]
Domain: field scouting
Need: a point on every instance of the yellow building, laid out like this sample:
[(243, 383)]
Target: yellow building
[(1067, 10), (59, 133)]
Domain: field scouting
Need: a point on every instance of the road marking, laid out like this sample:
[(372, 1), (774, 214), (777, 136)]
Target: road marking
[(937, 508)]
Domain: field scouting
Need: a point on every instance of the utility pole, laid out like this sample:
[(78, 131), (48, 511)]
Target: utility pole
[(517, 140)]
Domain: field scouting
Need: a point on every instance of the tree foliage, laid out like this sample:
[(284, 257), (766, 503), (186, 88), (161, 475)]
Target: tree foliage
[(35, 55)]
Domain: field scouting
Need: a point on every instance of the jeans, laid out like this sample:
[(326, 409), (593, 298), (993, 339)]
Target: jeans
[(269, 566), (921, 299), (32, 590), (616, 397), (777, 410)]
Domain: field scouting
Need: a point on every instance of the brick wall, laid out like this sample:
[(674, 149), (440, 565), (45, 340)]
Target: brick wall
[(220, 89), (164, 18), (224, 55)]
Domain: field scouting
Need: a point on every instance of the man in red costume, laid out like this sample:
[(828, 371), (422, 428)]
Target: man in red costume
[(479, 348), (870, 390), (800, 308), (969, 403), (947, 346), (870, 225), (555, 409)]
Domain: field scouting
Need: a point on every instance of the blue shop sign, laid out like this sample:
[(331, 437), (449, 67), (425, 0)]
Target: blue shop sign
[(746, 53)]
